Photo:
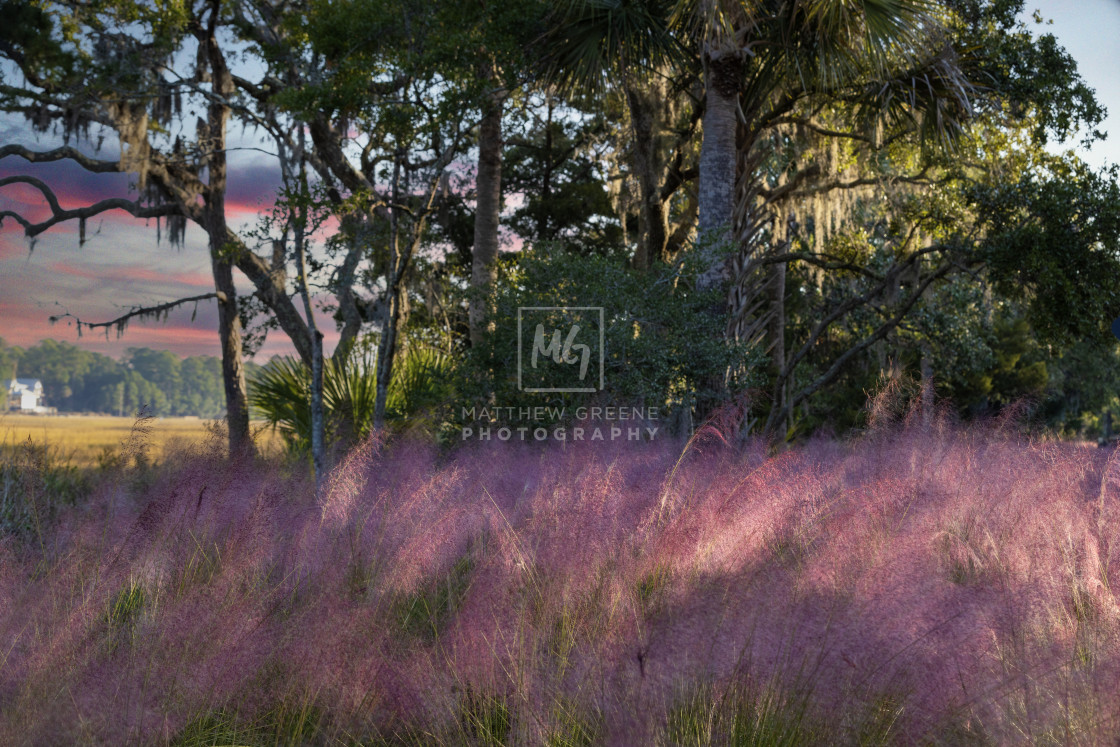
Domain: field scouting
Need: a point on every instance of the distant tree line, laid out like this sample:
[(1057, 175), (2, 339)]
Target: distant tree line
[(76, 380)]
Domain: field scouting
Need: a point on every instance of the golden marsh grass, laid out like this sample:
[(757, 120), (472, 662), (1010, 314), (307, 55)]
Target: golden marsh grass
[(84, 438)]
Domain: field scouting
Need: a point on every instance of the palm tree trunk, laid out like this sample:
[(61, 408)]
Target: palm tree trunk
[(488, 186), (717, 164), (716, 194)]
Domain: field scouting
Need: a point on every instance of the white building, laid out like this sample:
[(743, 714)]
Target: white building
[(25, 395)]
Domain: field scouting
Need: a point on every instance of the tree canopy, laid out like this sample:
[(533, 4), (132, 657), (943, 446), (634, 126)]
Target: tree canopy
[(796, 199)]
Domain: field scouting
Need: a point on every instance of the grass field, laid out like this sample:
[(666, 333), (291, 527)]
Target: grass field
[(938, 586), (83, 439)]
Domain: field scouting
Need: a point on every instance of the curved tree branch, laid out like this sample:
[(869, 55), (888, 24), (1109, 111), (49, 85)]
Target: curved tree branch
[(66, 152), (840, 362), (60, 214), (271, 289)]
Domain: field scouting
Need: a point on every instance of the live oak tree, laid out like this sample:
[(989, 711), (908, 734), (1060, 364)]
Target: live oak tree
[(382, 216), (385, 121), (112, 68), (130, 70)]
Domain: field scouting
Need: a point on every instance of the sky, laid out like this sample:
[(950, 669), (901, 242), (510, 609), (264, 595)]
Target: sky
[(1089, 29), (122, 263)]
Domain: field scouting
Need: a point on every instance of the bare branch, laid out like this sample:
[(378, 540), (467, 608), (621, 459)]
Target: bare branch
[(821, 260), (843, 309), (839, 363), (158, 312)]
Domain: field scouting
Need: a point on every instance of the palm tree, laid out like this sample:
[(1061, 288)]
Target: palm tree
[(488, 187), (763, 62), (761, 59), (722, 56)]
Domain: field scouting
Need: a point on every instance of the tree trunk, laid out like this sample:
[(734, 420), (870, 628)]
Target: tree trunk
[(387, 345), (654, 218), (318, 457), (544, 232), (229, 321), (271, 287), (717, 165), (395, 302), (233, 370), (488, 186), (386, 351), (716, 194)]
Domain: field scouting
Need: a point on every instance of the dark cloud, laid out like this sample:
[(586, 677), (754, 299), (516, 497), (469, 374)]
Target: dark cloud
[(252, 186)]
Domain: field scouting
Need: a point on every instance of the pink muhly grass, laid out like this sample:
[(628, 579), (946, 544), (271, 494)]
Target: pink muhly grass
[(922, 583)]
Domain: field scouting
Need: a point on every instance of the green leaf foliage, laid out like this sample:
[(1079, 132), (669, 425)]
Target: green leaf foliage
[(420, 391), (658, 348)]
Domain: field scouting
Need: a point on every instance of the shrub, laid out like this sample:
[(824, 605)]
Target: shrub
[(36, 482), (418, 395), (659, 348)]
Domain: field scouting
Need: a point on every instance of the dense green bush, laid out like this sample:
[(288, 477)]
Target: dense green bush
[(659, 346)]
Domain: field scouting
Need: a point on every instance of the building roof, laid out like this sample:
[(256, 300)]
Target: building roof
[(27, 383)]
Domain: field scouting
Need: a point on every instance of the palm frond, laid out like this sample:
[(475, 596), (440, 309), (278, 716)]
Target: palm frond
[(933, 96), (421, 382), (350, 393), (592, 42), (281, 392)]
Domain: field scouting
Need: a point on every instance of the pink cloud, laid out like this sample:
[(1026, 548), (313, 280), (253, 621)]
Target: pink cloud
[(197, 280), (12, 245), (119, 266)]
